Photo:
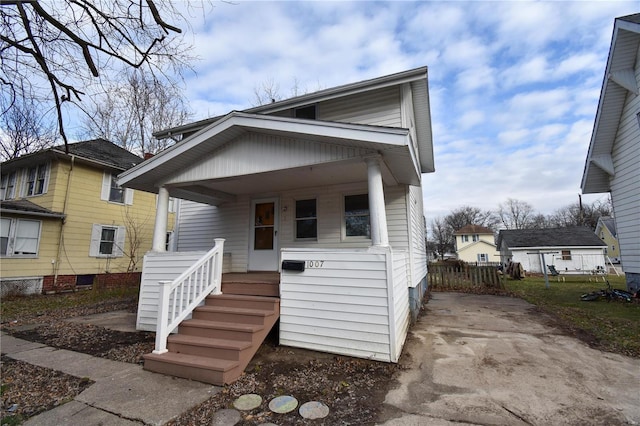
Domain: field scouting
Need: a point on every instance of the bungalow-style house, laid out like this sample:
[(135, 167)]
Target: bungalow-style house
[(65, 222), (614, 151), (476, 244), (606, 230), (571, 250), (315, 201)]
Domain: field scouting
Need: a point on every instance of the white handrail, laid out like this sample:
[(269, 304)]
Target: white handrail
[(186, 292)]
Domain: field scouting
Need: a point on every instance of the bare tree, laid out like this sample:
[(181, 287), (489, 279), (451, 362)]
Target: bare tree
[(577, 214), (25, 129), (467, 215), (442, 237), (52, 51), (134, 228), (128, 112), (516, 214)]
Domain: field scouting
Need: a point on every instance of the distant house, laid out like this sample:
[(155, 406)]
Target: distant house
[(606, 230), (476, 243), (571, 250), (66, 223), (614, 151)]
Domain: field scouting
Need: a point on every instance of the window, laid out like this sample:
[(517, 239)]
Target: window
[(113, 192), (476, 238), (306, 219), (107, 241), (356, 216), (8, 186), (483, 257), (19, 237), (566, 254), (36, 179), (308, 112), (465, 238)]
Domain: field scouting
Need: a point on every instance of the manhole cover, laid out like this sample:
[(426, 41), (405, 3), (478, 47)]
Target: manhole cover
[(248, 402), (314, 410)]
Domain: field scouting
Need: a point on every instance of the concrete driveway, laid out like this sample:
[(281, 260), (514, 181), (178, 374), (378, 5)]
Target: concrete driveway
[(491, 360)]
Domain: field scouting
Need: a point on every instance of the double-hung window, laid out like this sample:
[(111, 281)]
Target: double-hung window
[(476, 238), (113, 192), (8, 186), (107, 241), (464, 238), (356, 216), (566, 254), (306, 220), (19, 237), (36, 180)]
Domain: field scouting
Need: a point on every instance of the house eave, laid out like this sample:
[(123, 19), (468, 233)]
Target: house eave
[(53, 215)]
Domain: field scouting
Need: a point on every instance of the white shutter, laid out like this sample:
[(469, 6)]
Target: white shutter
[(106, 186), (128, 196), (118, 249), (94, 246)]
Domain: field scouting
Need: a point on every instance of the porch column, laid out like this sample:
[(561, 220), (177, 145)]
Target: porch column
[(377, 212), (162, 215)]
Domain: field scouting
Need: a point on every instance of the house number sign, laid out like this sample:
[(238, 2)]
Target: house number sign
[(314, 263)]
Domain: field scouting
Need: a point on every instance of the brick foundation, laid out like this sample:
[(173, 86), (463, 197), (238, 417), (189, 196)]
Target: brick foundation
[(100, 281)]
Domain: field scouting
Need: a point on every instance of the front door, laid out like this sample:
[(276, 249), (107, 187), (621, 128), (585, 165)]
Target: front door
[(263, 245)]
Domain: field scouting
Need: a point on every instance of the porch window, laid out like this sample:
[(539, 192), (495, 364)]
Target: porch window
[(566, 254), (306, 220), (356, 216), (19, 237)]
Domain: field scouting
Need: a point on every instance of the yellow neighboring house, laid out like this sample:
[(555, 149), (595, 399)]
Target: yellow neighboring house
[(475, 244), (65, 223), (606, 230)]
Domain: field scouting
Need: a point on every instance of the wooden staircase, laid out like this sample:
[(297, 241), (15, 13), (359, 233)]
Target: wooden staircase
[(217, 344)]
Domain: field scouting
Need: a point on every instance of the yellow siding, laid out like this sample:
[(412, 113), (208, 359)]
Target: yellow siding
[(84, 208)]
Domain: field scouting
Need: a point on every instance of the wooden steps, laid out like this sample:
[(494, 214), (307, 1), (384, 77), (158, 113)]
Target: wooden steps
[(217, 344)]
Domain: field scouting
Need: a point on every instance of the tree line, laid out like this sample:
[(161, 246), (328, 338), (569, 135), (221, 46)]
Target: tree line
[(511, 214)]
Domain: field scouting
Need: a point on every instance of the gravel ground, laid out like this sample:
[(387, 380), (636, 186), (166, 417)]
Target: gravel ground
[(353, 389)]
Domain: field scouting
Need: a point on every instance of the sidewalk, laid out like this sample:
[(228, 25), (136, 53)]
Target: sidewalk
[(123, 393)]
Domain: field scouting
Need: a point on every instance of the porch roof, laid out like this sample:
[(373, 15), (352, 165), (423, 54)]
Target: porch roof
[(188, 169)]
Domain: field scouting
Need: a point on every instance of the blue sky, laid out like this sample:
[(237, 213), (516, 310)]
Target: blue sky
[(514, 86)]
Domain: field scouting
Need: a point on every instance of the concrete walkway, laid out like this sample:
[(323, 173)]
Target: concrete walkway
[(123, 393), (489, 360)]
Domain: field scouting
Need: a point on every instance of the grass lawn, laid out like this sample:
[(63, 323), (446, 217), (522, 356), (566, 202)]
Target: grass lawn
[(615, 325), (24, 307)]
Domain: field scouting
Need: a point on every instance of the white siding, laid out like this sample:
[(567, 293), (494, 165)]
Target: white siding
[(379, 108), (199, 223), (418, 249), (583, 260), (625, 185), (339, 305), (400, 301), (159, 267)]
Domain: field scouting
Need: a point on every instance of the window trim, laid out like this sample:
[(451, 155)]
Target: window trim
[(566, 254), (118, 241), (12, 237), (105, 194), (5, 180), (296, 219), (45, 167), (346, 237)]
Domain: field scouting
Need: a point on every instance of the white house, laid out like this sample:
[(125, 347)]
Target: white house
[(324, 191), (576, 249), (614, 151), (475, 244)]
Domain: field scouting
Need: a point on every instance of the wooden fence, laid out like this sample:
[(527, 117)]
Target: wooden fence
[(442, 276)]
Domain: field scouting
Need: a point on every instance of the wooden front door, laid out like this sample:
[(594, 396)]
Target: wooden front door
[(263, 245)]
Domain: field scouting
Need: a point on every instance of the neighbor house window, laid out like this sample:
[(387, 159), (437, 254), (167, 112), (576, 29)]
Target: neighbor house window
[(476, 237), (483, 257), (107, 241), (19, 237), (36, 179), (113, 192), (306, 220), (465, 238), (566, 254), (356, 216), (8, 186)]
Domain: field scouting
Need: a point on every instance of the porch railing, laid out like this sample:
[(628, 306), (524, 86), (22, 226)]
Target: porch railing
[(178, 298)]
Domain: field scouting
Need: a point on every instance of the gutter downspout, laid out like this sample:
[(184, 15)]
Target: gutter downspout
[(56, 268)]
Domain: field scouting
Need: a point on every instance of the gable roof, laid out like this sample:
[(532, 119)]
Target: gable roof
[(98, 152), (619, 80), (575, 236), (473, 229), (607, 222), (475, 243), (416, 77)]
